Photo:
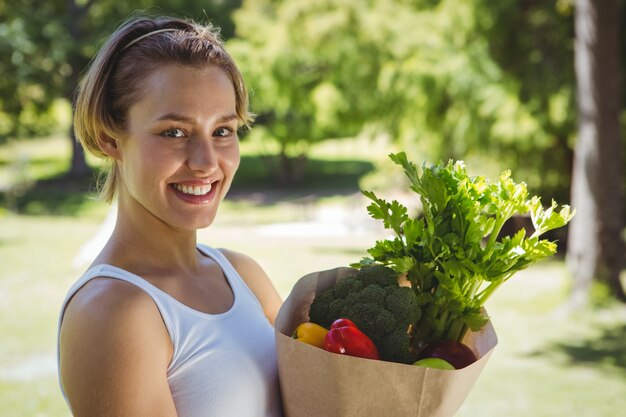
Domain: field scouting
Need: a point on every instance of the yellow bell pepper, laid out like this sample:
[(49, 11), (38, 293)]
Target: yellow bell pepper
[(310, 333)]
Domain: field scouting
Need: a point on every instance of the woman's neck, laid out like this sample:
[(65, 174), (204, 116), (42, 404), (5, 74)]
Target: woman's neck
[(144, 244)]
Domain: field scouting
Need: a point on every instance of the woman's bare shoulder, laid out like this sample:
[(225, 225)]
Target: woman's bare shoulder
[(105, 292), (108, 304), (238, 259), (113, 340)]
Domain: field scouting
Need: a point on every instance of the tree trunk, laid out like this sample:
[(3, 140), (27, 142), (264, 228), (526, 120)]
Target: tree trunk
[(596, 249), (78, 166)]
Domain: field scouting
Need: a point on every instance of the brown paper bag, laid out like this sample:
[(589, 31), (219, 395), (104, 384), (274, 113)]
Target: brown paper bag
[(318, 383)]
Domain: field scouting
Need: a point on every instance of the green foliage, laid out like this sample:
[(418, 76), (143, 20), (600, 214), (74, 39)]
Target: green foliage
[(30, 76), (451, 79), (446, 79), (451, 253), (48, 49), (313, 68), (533, 45), (472, 90)]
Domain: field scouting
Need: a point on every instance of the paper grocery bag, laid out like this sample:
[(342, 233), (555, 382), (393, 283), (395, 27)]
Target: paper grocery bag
[(318, 383)]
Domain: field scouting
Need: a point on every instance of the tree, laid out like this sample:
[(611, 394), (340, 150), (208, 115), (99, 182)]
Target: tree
[(532, 43), (48, 50), (596, 248), (444, 79), (478, 79), (75, 24), (32, 69), (312, 70)]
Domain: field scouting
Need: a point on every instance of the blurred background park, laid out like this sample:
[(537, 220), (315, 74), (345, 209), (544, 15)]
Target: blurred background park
[(536, 87)]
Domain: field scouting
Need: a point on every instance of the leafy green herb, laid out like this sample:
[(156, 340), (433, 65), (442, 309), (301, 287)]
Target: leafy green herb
[(451, 254)]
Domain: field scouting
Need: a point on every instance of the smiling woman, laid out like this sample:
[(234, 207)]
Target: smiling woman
[(159, 325)]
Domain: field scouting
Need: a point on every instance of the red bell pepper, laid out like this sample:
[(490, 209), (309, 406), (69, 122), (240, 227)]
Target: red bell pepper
[(345, 338)]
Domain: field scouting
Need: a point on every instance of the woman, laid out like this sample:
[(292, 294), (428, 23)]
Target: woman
[(159, 325)]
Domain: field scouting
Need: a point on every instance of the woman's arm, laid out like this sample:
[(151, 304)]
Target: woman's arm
[(115, 350), (258, 281)]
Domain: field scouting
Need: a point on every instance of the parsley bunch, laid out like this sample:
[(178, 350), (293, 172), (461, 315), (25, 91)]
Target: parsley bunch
[(451, 254)]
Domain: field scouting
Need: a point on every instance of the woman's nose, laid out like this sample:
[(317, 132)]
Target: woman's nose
[(201, 155)]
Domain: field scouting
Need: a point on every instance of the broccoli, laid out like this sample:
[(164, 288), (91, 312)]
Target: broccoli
[(402, 303), (378, 274), (372, 294), (318, 312), (395, 347), (347, 286), (372, 320), (377, 305)]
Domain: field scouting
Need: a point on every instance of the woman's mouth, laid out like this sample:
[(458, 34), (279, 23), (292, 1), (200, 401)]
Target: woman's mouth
[(193, 190), (195, 194)]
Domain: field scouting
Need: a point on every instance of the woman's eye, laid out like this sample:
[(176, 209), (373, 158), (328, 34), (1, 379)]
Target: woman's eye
[(173, 133), (223, 132)]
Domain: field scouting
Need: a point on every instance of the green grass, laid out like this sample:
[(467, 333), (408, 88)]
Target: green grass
[(36, 257), (31, 182), (548, 363)]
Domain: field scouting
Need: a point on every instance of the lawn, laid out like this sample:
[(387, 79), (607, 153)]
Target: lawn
[(549, 362)]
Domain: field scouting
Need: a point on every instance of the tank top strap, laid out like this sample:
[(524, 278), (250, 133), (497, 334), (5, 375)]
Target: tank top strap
[(239, 285), (170, 308), (160, 298)]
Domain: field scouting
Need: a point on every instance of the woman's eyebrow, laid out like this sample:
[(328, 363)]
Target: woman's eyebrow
[(186, 119), (176, 117), (228, 118)]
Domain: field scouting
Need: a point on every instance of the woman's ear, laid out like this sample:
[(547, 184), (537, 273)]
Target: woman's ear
[(109, 146)]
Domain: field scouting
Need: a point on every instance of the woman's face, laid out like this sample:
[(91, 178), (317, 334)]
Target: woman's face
[(180, 150)]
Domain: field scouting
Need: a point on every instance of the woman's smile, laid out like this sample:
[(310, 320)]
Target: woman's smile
[(195, 194)]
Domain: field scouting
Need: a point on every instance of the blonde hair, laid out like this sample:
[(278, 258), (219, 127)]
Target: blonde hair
[(113, 81)]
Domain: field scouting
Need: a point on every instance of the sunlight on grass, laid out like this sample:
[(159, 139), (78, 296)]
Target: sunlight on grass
[(36, 257), (33, 158), (546, 363), (531, 371)]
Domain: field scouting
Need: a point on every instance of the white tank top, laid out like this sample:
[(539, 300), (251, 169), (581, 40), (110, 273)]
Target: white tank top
[(223, 364)]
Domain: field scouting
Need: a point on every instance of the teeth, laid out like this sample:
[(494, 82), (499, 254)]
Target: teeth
[(202, 190)]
